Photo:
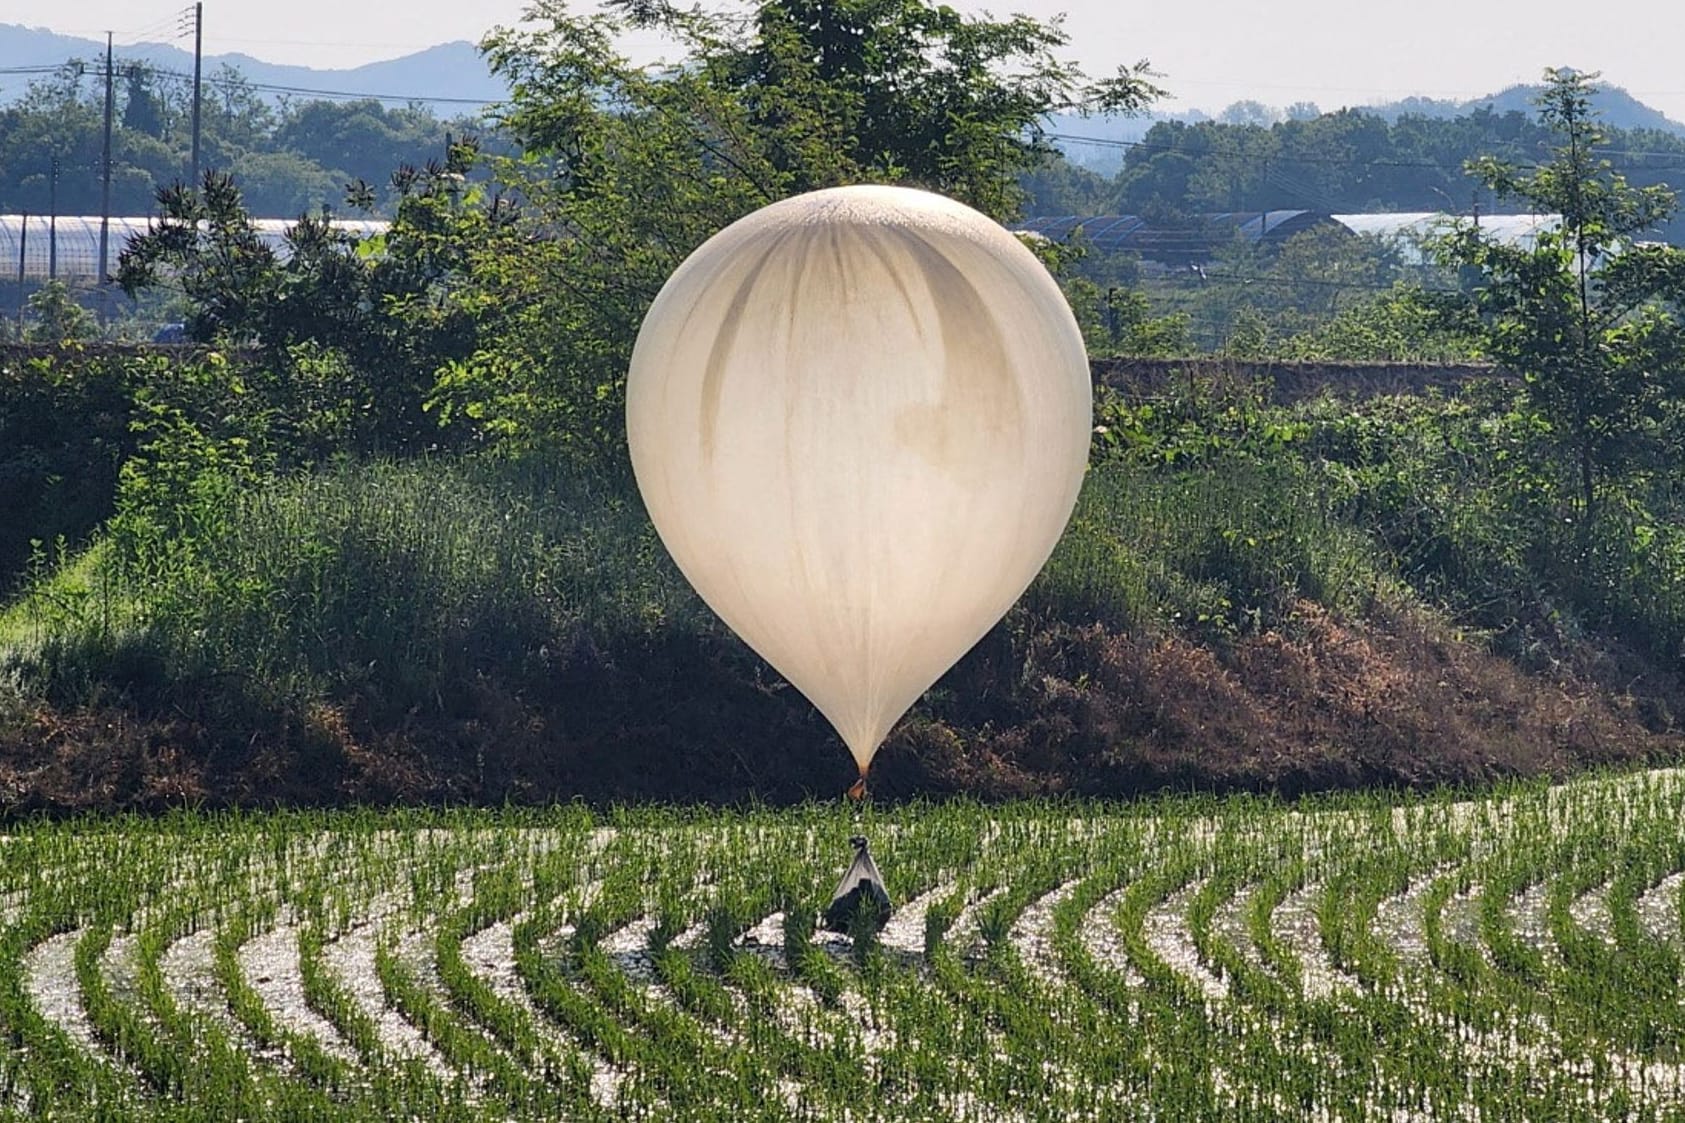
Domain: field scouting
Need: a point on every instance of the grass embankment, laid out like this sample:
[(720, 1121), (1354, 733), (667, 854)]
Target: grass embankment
[(1276, 600)]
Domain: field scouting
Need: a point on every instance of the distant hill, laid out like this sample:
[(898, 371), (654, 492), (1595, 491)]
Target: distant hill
[(1619, 109), (1099, 143), (451, 77)]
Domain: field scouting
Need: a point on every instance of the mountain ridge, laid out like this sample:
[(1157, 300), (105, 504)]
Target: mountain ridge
[(451, 77), (1098, 142)]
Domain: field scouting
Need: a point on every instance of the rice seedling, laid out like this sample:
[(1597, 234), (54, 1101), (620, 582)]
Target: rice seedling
[(1512, 955)]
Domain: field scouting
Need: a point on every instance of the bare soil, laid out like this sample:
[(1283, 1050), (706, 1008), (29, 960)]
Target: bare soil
[(1321, 704)]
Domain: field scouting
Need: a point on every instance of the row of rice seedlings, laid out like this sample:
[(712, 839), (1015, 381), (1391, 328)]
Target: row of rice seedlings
[(305, 1052), (738, 994), (1369, 1045), (578, 985), (424, 866), (1607, 999), (488, 1072), (1286, 972), (1006, 1025), (688, 1066), (505, 1024), (1421, 996), (54, 1071), (1486, 999), (328, 998), (356, 868), (1271, 1054), (1140, 1030)]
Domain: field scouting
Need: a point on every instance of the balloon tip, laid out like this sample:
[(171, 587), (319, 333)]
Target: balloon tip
[(858, 791)]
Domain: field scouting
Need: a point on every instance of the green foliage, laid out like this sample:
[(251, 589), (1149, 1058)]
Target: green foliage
[(390, 578), (349, 332), (64, 434), (1223, 547), (1344, 162), (1458, 492), (1590, 319), (637, 167), (287, 160), (1251, 299), (1402, 324), (213, 253), (174, 494), (1470, 501), (55, 316), (1119, 321)]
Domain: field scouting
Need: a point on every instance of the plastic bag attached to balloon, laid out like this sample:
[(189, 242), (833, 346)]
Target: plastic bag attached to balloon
[(860, 889)]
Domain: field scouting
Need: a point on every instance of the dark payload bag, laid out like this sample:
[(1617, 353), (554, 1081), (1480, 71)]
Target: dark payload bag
[(862, 883)]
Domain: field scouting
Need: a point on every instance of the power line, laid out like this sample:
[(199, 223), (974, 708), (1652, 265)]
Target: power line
[(1297, 282), (157, 27), (272, 87)]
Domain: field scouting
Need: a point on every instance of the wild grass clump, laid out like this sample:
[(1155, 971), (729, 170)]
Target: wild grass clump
[(1474, 508), (400, 579), (1219, 548)]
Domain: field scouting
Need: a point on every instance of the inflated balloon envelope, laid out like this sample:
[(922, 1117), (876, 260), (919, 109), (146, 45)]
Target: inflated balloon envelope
[(859, 419)]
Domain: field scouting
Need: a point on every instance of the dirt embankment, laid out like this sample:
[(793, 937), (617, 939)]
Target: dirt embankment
[(1084, 710)]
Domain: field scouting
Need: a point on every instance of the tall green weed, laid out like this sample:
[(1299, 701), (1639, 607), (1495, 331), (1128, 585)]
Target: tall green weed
[(400, 579), (1222, 547)]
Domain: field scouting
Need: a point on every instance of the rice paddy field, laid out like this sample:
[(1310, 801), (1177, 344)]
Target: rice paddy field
[(1511, 956)]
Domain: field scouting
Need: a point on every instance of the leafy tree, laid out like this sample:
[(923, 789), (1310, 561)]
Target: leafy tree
[(626, 170), (213, 253), (1247, 112), (362, 140), (284, 184), (1251, 297), (1346, 161), (236, 115), (351, 332), (143, 110), (1589, 315), (1398, 325), (55, 317), (286, 158)]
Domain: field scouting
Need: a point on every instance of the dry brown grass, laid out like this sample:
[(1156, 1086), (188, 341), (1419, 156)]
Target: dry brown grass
[(1398, 700)]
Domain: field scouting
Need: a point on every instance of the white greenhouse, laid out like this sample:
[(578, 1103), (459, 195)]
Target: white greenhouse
[(68, 247), (1409, 231)]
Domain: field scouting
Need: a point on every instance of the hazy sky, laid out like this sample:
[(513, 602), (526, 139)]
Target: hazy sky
[(1332, 52)]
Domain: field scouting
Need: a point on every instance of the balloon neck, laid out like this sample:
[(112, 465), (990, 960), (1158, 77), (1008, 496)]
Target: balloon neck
[(858, 791)]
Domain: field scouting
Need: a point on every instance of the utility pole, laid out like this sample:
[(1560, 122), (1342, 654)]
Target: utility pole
[(198, 62), (53, 222), (105, 181), (23, 247)]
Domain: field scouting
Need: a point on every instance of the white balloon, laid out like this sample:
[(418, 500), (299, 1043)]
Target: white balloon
[(859, 419)]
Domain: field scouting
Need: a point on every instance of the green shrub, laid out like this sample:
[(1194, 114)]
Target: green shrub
[(1224, 546), (64, 431), (393, 578)]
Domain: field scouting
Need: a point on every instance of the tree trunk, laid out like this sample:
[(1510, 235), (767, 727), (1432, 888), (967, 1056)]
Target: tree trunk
[(1587, 482)]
